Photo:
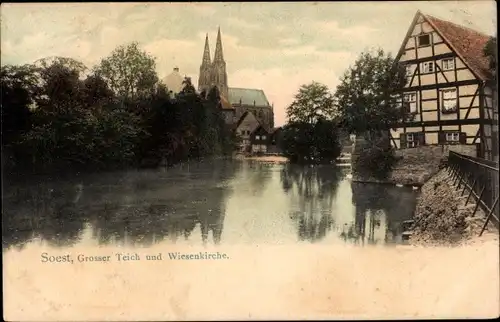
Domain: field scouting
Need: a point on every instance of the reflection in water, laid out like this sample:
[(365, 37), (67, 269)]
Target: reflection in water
[(207, 202), (312, 190), (381, 209)]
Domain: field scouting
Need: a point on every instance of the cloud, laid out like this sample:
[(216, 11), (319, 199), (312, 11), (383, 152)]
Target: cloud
[(273, 46), (232, 22), (359, 32)]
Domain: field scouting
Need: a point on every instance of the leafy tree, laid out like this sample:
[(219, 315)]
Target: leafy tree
[(312, 102), (490, 51), (367, 95), (18, 85), (303, 142), (129, 72), (57, 116), (370, 103)]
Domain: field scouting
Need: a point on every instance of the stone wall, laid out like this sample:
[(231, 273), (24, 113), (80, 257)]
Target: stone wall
[(415, 165), (437, 151)]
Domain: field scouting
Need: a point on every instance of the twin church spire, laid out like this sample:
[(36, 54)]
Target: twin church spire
[(213, 73)]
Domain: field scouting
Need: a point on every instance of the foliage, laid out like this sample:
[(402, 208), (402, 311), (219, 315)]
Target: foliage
[(312, 102), (18, 84), (129, 72), (376, 157), (310, 143), (366, 96), (490, 51), (57, 116)]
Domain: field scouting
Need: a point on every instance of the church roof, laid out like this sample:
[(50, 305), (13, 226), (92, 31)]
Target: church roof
[(247, 96)]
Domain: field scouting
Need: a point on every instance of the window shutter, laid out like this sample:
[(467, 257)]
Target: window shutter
[(402, 141), (421, 138), (463, 138), (441, 138)]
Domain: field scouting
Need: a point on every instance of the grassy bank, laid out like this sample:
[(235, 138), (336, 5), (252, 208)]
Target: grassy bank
[(442, 218)]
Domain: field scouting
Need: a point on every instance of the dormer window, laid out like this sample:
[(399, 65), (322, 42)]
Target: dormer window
[(424, 40)]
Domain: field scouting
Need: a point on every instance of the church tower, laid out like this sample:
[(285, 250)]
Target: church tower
[(204, 81), (219, 74)]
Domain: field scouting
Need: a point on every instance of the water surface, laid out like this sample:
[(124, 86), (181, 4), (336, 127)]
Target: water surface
[(214, 202)]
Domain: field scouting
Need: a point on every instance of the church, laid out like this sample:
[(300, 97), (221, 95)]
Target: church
[(235, 101)]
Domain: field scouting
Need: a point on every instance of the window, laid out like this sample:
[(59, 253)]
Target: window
[(409, 70), (452, 136), (257, 137), (449, 100), (427, 67), (263, 137), (411, 102), (424, 40), (411, 140), (448, 64)]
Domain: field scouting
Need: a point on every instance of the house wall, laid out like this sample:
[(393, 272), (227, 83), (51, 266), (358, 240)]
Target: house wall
[(429, 88), (260, 139), (245, 128)]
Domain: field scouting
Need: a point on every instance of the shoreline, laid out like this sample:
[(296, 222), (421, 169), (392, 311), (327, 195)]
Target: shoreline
[(441, 217)]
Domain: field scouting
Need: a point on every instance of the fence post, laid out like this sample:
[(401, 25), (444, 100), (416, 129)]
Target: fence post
[(471, 189), (478, 201), (489, 215)]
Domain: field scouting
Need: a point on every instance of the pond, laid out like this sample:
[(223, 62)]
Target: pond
[(227, 202)]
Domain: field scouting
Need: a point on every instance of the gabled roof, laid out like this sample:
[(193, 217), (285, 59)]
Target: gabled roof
[(467, 43), (268, 131), (244, 115), (247, 96)]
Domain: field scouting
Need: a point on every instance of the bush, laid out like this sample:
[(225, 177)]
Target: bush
[(376, 158)]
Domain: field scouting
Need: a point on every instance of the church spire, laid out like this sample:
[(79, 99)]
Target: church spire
[(205, 69), (218, 56), (206, 53)]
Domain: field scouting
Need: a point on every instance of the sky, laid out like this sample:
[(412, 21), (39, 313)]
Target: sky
[(276, 47)]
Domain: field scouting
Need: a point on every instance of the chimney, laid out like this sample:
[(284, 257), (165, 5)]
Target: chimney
[(176, 69), (253, 102)]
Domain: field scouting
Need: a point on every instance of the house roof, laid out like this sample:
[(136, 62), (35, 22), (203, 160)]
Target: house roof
[(247, 96), (244, 115), (467, 43)]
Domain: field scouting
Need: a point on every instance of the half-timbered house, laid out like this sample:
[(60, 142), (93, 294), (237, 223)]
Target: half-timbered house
[(259, 139), (449, 88)]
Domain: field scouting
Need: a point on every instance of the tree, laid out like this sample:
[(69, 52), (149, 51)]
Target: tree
[(490, 51), (312, 102), (310, 143), (18, 86), (367, 95), (130, 72)]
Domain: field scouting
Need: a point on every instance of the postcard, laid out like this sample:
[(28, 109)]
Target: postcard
[(249, 161)]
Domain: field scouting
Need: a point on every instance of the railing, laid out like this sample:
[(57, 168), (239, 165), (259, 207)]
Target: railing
[(480, 178)]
